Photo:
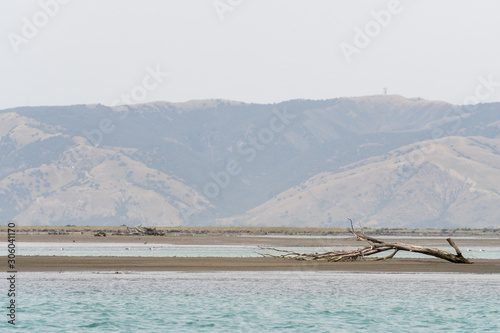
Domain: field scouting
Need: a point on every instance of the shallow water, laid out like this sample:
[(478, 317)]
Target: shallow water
[(166, 250), (299, 301)]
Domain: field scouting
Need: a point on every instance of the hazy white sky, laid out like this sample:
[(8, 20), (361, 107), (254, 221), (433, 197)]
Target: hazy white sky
[(55, 52)]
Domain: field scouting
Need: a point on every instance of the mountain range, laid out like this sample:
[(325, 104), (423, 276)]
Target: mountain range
[(384, 160)]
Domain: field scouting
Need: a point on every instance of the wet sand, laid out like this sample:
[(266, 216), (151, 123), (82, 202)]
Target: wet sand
[(119, 264)]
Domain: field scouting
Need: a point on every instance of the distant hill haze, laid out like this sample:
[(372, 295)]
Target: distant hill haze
[(386, 161)]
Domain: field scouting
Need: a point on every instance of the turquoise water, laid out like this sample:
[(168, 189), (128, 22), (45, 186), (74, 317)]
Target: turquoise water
[(299, 301), (166, 250)]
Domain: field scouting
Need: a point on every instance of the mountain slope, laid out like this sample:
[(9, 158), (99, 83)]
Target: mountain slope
[(198, 162), (106, 187), (449, 184)]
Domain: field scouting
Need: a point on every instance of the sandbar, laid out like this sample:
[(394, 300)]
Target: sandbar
[(190, 264), (120, 264)]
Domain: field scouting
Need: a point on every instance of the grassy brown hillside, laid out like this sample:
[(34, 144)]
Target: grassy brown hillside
[(450, 182), (297, 163)]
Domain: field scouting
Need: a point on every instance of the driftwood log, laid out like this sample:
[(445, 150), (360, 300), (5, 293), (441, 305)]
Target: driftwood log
[(375, 246), (140, 230)]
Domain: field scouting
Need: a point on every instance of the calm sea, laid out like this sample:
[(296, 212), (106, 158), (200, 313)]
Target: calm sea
[(299, 301)]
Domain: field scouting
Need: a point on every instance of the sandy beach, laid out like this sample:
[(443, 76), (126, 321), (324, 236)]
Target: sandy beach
[(120, 264)]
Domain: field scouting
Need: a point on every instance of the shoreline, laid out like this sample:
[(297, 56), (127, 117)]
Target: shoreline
[(256, 240), (207, 264)]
